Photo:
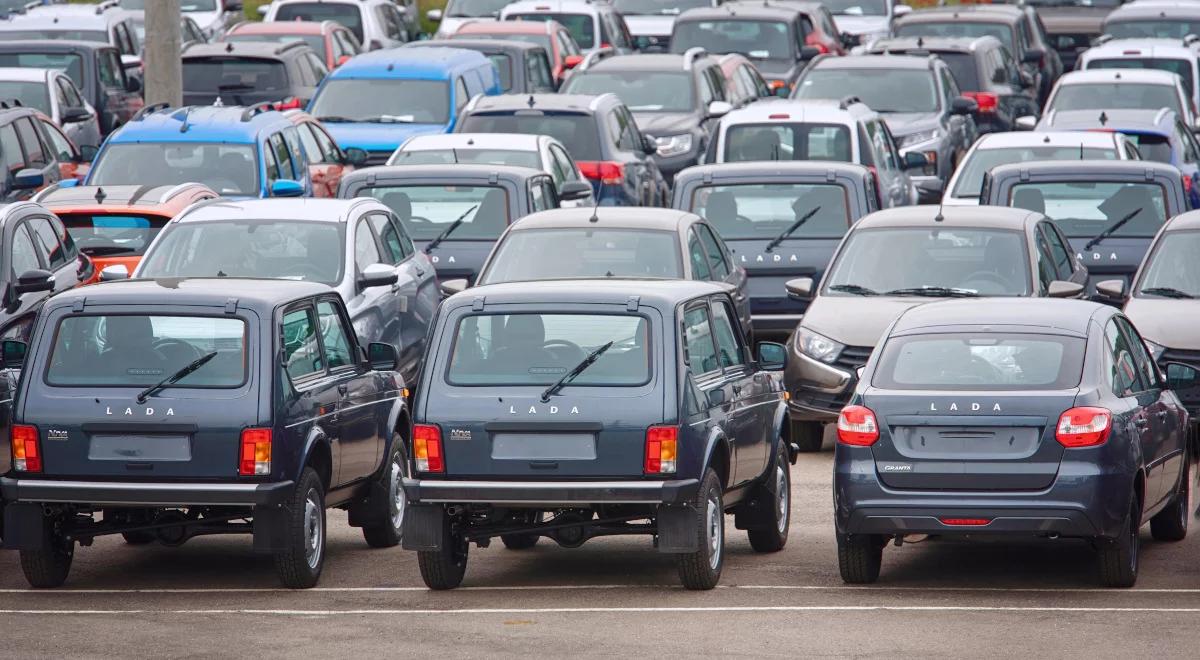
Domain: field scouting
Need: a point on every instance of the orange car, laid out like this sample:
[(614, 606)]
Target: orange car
[(115, 224), (329, 40), (327, 162), (551, 35)]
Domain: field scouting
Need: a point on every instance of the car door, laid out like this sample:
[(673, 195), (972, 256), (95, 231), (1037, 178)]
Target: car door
[(749, 432), (1128, 384), (1163, 423), (54, 254), (419, 306), (307, 373), (37, 156), (358, 394), (372, 311), (724, 270), (705, 373)]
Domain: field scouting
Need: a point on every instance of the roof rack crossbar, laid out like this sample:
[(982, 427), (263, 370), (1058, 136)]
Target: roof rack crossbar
[(149, 110), (256, 109)]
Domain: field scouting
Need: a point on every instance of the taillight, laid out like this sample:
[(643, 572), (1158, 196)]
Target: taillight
[(604, 171), (965, 522), (26, 452), (661, 445), (256, 453), (1187, 184), (857, 426), (1083, 427), (427, 448), (987, 101), (814, 40), (290, 103), (878, 187)]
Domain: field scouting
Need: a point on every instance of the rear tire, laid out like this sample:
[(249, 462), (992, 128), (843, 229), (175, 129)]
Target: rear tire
[(860, 557), (299, 563), (776, 493), (808, 436), (48, 567), (1119, 556), (444, 569), (1171, 524), (701, 570), (139, 538), (390, 532)]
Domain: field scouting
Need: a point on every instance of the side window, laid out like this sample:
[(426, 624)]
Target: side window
[(1010, 66), (73, 95), (1046, 270), (279, 148), (550, 192), (828, 26), (889, 146), (949, 87), (47, 243), (537, 70), (393, 250), (707, 93), (60, 94), (335, 337), (537, 194), (728, 349), (329, 150), (1123, 370), (272, 165), (109, 68), (716, 256), (1141, 356), (70, 252), (24, 255), (406, 244), (35, 154), (301, 352), (698, 341), (879, 142), (1063, 261), (366, 252), (461, 95), (10, 150), (563, 162), (630, 135), (307, 77), (803, 28), (318, 67), (291, 136), (311, 147), (700, 268)]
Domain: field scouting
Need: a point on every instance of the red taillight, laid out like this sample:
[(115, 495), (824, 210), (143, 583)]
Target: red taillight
[(987, 102), (661, 445), (1187, 184), (965, 522), (290, 103), (779, 115), (26, 452), (604, 171), (857, 426), (255, 458), (1083, 427), (427, 448)]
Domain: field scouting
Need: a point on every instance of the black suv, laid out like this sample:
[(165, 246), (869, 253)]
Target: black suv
[(674, 98), (245, 73), (985, 71), (174, 408), (599, 131)]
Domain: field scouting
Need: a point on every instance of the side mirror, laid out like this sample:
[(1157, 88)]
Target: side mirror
[(915, 160), (87, 152), (133, 84), (572, 61), (716, 398), (1033, 56), (929, 189), (900, 9), (263, 9), (809, 52), (114, 272), (34, 280), (75, 115), (29, 178), (799, 288), (131, 62), (1179, 376), (382, 357), (451, 287), (12, 353), (342, 59), (1111, 289), (772, 356), (1062, 289), (649, 145), (1025, 123), (963, 105), (434, 15), (287, 188), (354, 156), (719, 109), (575, 190), (377, 275)]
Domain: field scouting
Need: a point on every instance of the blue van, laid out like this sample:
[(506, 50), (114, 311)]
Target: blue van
[(238, 152), (378, 100)]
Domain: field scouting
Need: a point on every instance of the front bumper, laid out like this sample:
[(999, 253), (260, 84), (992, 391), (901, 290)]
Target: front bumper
[(819, 391), (120, 493), (562, 493)]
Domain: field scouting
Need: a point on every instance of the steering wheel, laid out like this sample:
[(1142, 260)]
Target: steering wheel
[(307, 271), (989, 277), (564, 350), (176, 350)]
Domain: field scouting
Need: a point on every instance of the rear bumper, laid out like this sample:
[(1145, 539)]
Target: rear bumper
[(1017, 522), (529, 493), (120, 493)]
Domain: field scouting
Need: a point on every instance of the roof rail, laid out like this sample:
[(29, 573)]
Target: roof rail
[(595, 56), (178, 188), (691, 55), (1162, 114), (1105, 38), (106, 5), (848, 101), (256, 110), (148, 110), (1190, 39)]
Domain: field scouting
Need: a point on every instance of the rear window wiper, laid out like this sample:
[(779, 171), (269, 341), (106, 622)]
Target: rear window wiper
[(448, 230), (934, 291), (795, 225), (1167, 292), (1111, 229), (175, 377), (574, 373), (856, 289)]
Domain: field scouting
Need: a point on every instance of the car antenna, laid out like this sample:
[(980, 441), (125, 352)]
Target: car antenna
[(1080, 151), (596, 210), (454, 152)]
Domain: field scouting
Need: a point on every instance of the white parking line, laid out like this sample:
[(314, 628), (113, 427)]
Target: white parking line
[(613, 610), (587, 587)]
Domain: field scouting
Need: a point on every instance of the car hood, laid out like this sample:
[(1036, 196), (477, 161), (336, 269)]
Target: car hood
[(857, 320), (378, 137), (862, 24), (1166, 321), (905, 123), (659, 124), (650, 25)]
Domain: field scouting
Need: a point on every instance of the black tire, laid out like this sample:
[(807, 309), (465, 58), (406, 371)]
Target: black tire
[(299, 563), (1171, 524), (519, 541), (860, 557), (774, 538), (390, 532), (808, 436), (444, 569), (701, 570), (142, 537), (49, 567), (1119, 556)]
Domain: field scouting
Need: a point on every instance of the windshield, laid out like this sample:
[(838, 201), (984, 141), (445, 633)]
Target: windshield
[(970, 180), (957, 28), (427, 211), (1084, 209), (987, 262), (579, 25), (884, 90), (641, 91), (539, 349), (105, 235), (383, 101), (1153, 147), (1166, 28), (983, 361), (1181, 68), (1116, 96), (69, 63), (31, 94), (576, 131), (275, 249), (758, 40), (230, 169), (594, 253), (1173, 264), (655, 7), (233, 74), (137, 350), (184, 5), (764, 211), (752, 142), (95, 36), (481, 156), (475, 8), (345, 13), (314, 41), (857, 7)]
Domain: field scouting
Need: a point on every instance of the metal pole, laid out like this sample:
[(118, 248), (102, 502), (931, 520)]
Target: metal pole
[(163, 67)]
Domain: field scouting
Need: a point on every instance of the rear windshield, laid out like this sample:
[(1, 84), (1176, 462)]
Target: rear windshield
[(981, 361), (504, 67), (581, 26), (315, 41), (970, 181), (480, 156), (1085, 209), (69, 63), (577, 131), (592, 253), (764, 211), (233, 74), (124, 235), (758, 40), (539, 349), (382, 101), (30, 94), (1166, 28), (959, 28), (964, 68), (641, 91), (884, 90), (542, 40), (1116, 95), (138, 350), (345, 13), (427, 211), (1181, 68), (753, 142), (1153, 147), (94, 36)]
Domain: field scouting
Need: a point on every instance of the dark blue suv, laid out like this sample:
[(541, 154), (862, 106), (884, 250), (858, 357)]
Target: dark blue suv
[(584, 408)]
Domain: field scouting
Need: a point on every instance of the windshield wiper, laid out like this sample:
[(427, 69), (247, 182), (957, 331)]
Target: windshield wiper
[(99, 250), (335, 119), (175, 377), (574, 373), (447, 231), (1109, 232), (856, 289), (1167, 292), (788, 232), (933, 291)]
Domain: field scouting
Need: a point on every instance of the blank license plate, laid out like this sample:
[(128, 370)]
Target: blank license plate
[(544, 446), (140, 448)]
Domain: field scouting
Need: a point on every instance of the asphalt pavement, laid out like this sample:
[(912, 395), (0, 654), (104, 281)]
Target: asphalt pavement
[(613, 597)]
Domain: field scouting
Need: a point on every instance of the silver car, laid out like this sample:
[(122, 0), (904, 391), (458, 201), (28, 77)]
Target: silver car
[(55, 94)]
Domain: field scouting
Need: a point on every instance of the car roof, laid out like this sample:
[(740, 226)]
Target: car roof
[(305, 209), (884, 61), (282, 27), (446, 172), (1115, 120), (433, 63), (936, 44), (558, 6), (1004, 315), (734, 11), (64, 17), (607, 217), (1184, 222), (989, 217), (98, 198), (580, 102), (975, 13), (506, 27), (506, 141), (1143, 48), (1094, 76), (1012, 139), (503, 45), (203, 123), (661, 294), (23, 74), (258, 49), (1144, 10), (771, 168), (797, 110), (50, 45), (261, 295), (1136, 170)]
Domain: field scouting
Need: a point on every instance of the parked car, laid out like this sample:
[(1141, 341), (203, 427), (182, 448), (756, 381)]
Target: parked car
[(189, 31), (592, 25), (524, 67), (896, 259), (863, 21), (1072, 25), (236, 434), (458, 13), (1153, 20), (817, 22), (550, 35), (780, 221), (238, 152), (1122, 89), (663, 398), (104, 23), (376, 24), (212, 17), (42, 261), (1178, 57), (455, 213), (53, 93), (114, 225), (327, 162), (73, 160), (744, 84), (650, 22), (28, 157), (249, 73), (599, 132), (378, 100), (330, 40)]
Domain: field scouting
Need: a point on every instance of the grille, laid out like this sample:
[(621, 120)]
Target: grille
[(853, 357), (378, 158)]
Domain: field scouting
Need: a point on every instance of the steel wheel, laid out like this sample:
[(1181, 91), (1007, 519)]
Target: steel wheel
[(715, 529), (314, 532), (396, 497), (782, 498)]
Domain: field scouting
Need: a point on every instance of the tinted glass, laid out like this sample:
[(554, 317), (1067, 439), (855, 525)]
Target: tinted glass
[(758, 40), (971, 179), (529, 159), (230, 169), (983, 361), (1110, 96), (24, 255), (1084, 209), (94, 36), (68, 63), (383, 101), (475, 8), (504, 66), (1153, 147), (426, 211), (576, 131), (564, 253), (581, 26), (884, 90), (958, 28), (315, 41), (542, 40), (31, 94), (1166, 28), (123, 235), (334, 337), (1173, 265), (1181, 68), (301, 352), (698, 342), (763, 211), (857, 7), (233, 74), (344, 13), (755, 142), (641, 91), (965, 69)]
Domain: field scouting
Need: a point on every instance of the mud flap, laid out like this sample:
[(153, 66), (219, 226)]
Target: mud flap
[(369, 510), (25, 527), (677, 532), (270, 529), (423, 527)]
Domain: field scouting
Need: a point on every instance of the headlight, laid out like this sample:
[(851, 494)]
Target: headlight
[(673, 145), (918, 138), (818, 347), (1156, 350)]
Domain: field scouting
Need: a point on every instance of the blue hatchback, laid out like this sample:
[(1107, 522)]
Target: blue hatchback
[(238, 152), (378, 100)]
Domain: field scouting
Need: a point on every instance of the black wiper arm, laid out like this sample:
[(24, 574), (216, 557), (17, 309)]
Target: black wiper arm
[(788, 232), (175, 377), (446, 232), (1109, 232), (574, 373), (936, 291), (1167, 292), (335, 119), (856, 289)]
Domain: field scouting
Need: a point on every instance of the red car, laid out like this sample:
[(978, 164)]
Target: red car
[(327, 162), (332, 42), (551, 35)]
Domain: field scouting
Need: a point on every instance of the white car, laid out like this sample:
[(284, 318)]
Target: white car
[(540, 152), (459, 12), (1118, 89), (376, 23), (1178, 56), (652, 21), (1004, 148), (53, 92), (213, 17), (594, 25), (865, 20)]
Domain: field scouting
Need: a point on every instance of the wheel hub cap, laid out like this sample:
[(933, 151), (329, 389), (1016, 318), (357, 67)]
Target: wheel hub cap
[(396, 496), (782, 497), (715, 528), (313, 536)]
